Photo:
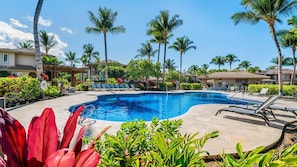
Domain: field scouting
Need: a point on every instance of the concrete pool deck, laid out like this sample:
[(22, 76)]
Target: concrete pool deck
[(251, 132)]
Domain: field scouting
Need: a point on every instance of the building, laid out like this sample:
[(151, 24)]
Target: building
[(223, 80), (17, 61), (286, 75)]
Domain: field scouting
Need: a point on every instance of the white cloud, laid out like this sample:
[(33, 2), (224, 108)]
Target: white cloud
[(9, 36), (17, 23), (41, 21), (68, 30)]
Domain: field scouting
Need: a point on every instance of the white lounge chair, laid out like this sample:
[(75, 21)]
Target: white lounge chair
[(263, 92)]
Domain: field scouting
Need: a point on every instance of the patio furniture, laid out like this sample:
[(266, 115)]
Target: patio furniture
[(263, 92), (260, 111)]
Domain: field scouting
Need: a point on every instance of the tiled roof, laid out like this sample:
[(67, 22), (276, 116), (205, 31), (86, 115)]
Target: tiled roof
[(234, 75), (275, 71)]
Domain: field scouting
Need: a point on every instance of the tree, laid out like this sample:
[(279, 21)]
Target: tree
[(70, 56), (159, 40), (245, 65), (89, 55), (285, 61), (255, 69), (47, 41), (163, 25), (218, 60), (146, 50), (204, 68), (104, 23), (26, 44), (182, 45), (39, 66), (170, 64), (288, 38), (269, 12), (193, 69), (231, 58)]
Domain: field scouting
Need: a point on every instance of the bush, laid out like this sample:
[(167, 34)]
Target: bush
[(185, 86), (169, 86), (52, 91), (196, 86), (288, 90)]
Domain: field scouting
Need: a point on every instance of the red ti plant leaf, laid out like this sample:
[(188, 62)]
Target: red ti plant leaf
[(2, 162), (78, 144), (70, 127), (61, 158), (43, 138), (12, 140), (87, 158)]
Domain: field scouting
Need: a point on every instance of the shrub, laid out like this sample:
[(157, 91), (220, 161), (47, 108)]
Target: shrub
[(196, 86), (52, 91), (42, 146), (288, 90), (169, 86), (185, 86)]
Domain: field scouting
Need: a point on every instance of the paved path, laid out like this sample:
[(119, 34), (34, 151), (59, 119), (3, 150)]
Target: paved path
[(249, 131)]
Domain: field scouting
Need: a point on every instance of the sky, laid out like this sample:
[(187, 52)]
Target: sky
[(206, 23)]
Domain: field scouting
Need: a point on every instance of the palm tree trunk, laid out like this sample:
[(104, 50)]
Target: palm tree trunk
[(163, 74), (294, 66), (39, 66), (159, 47), (106, 60), (180, 70), (280, 79)]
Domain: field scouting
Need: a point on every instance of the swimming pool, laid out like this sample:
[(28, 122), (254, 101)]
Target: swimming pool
[(146, 106)]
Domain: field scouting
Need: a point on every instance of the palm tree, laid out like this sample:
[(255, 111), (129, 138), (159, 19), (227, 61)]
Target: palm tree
[(146, 50), (204, 68), (170, 64), (218, 60), (90, 54), (70, 56), (162, 25), (159, 40), (245, 65), (104, 23), (47, 41), (39, 66), (286, 61), (182, 45), (231, 58), (193, 69), (269, 12), (27, 45), (288, 38)]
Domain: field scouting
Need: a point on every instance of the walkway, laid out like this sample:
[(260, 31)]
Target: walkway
[(249, 131)]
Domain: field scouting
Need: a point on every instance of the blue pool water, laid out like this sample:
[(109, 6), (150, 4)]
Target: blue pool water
[(146, 106)]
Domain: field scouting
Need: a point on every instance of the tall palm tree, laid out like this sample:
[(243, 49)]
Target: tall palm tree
[(204, 68), (89, 53), (146, 50), (218, 60), (39, 66), (182, 45), (47, 41), (159, 40), (26, 44), (70, 56), (268, 11), (288, 38), (245, 65), (231, 58), (193, 69), (163, 25), (286, 61), (104, 23)]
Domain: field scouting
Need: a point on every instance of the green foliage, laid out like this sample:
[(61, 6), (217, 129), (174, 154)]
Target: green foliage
[(169, 85), (112, 81), (159, 144), (286, 157), (185, 86), (288, 90), (52, 91), (172, 75), (196, 86), (142, 69)]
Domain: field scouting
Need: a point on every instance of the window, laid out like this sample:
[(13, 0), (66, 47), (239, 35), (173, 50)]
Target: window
[(5, 58)]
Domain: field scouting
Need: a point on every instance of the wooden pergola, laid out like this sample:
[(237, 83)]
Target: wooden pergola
[(55, 69)]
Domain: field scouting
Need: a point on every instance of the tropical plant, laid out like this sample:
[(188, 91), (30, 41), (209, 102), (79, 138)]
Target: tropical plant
[(182, 45), (50, 60), (159, 40), (285, 61), (41, 147), (104, 23), (170, 65), (70, 56), (89, 54), (254, 69), (231, 58), (245, 65), (218, 60), (27, 44), (193, 69), (47, 41), (146, 50), (161, 27), (269, 12), (39, 65)]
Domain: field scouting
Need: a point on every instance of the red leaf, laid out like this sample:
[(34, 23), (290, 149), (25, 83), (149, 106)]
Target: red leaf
[(87, 158), (70, 127), (43, 138), (12, 140), (2, 162), (61, 158), (78, 144)]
